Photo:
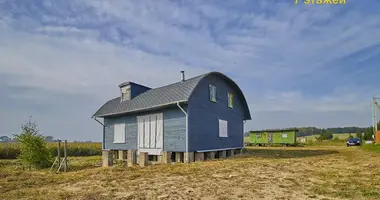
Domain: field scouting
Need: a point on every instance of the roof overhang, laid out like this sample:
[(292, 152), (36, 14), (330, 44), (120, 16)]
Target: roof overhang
[(276, 130), (142, 110)]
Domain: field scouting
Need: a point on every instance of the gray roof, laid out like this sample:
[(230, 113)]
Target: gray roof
[(158, 97)]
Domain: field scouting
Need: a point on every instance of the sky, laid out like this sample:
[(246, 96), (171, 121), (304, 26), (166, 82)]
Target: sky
[(298, 65)]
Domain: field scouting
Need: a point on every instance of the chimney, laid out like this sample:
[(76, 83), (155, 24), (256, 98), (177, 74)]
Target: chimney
[(183, 76)]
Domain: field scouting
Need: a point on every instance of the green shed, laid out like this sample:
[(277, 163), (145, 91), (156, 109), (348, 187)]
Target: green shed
[(276, 136)]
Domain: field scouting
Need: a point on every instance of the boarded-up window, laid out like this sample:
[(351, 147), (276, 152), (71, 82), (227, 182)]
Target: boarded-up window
[(119, 133), (212, 93), (230, 100), (223, 128)]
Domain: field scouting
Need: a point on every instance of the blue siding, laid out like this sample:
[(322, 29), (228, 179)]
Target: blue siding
[(174, 130), (204, 115), (137, 89), (131, 132)]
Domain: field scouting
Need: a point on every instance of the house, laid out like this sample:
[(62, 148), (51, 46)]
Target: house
[(197, 118)]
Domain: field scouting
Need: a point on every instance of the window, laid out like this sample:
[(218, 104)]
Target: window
[(230, 100), (284, 135), (223, 129), (212, 93), (125, 93), (119, 133)]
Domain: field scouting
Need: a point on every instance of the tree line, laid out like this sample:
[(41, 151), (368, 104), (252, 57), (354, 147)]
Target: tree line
[(327, 133)]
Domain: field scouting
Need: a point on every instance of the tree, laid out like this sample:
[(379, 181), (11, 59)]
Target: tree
[(368, 133), (33, 149), (325, 135), (358, 134), (350, 136)]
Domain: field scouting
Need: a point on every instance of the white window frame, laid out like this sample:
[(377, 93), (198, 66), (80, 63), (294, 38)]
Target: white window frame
[(223, 128), (119, 132), (212, 93)]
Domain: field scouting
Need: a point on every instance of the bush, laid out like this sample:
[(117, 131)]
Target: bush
[(336, 138), (33, 149)]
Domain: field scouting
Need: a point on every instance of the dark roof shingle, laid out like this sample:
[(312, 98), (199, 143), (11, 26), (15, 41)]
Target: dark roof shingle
[(176, 92), (162, 96)]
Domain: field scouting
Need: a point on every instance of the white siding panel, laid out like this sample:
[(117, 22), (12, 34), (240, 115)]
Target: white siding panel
[(146, 131), (140, 128), (153, 124), (160, 130)]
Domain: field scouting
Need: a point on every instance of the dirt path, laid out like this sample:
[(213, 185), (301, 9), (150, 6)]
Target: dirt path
[(264, 173)]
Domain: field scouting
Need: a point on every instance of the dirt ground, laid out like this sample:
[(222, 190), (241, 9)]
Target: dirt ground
[(263, 173)]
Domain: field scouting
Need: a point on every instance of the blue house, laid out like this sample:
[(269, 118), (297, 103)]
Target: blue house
[(202, 114)]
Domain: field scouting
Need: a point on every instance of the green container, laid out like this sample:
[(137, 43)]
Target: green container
[(281, 136)]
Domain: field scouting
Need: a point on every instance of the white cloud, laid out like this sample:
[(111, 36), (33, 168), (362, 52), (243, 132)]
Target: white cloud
[(85, 48)]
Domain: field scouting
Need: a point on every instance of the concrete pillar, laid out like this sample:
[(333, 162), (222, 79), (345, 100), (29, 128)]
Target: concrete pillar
[(114, 155), (131, 158), (143, 159), (159, 159), (178, 156), (122, 155), (232, 152), (211, 155), (106, 158), (188, 157), (166, 157), (222, 154), (199, 156)]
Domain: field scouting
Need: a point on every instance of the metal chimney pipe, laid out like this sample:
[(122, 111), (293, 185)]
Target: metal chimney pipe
[(183, 76)]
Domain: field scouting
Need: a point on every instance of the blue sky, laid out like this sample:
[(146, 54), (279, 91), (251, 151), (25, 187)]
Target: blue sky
[(298, 65)]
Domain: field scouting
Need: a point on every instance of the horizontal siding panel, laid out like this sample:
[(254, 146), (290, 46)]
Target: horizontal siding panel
[(174, 130), (204, 117)]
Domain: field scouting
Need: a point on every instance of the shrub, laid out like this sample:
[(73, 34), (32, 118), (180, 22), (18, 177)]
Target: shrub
[(33, 149)]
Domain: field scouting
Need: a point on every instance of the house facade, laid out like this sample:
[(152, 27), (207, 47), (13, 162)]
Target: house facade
[(203, 114)]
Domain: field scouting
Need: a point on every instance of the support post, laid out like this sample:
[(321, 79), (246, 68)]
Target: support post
[(188, 157), (232, 152), (65, 154), (178, 156), (122, 155), (131, 158), (199, 156), (59, 153), (166, 157), (106, 158), (211, 155), (374, 117), (223, 154), (143, 159)]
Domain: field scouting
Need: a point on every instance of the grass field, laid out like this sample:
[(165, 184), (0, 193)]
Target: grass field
[(334, 172), (11, 150)]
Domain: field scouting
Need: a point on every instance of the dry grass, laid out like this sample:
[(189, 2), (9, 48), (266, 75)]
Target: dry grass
[(263, 173)]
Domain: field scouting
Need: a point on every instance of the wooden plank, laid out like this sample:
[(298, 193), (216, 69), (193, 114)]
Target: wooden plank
[(153, 124), (160, 131), (146, 131)]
